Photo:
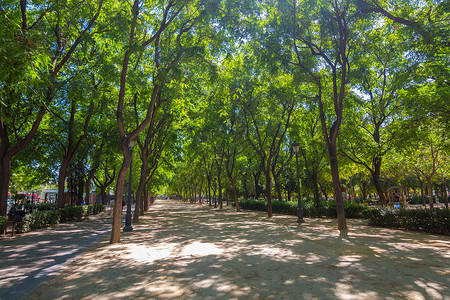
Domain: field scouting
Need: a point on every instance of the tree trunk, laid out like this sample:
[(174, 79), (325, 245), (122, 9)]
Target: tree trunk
[(104, 196), (315, 179), (244, 184), (219, 180), (364, 190), (117, 210), (256, 180), (61, 184), (5, 178), (146, 202), (209, 190), (87, 187), (422, 193), (430, 192), (446, 193), (342, 225), (140, 191), (277, 187), (269, 193), (235, 196), (379, 189), (324, 191)]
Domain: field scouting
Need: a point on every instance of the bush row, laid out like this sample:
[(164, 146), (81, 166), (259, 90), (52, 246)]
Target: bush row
[(429, 220), (29, 207), (3, 221), (326, 208), (418, 199), (38, 219)]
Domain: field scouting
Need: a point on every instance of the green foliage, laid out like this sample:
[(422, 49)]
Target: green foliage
[(46, 206), (41, 218), (97, 208), (327, 208), (254, 204), (28, 207), (38, 219), (70, 213), (428, 220), (3, 221)]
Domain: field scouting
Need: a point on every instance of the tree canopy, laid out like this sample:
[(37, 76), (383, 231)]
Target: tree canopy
[(215, 92)]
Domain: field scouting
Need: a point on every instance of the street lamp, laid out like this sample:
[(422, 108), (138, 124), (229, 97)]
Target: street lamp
[(295, 148), (215, 188), (128, 226)]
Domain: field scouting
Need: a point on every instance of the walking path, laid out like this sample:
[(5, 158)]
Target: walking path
[(191, 251), (28, 260)]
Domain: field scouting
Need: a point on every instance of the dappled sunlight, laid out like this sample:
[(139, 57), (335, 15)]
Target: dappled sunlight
[(200, 249), (143, 254), (188, 251), (433, 290)]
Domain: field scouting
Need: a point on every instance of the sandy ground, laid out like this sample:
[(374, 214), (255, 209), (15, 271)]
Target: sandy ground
[(186, 251)]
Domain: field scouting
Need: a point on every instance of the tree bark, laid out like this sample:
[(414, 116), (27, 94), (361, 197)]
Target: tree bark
[(117, 210), (430, 192), (342, 224), (5, 167), (269, 193), (61, 201)]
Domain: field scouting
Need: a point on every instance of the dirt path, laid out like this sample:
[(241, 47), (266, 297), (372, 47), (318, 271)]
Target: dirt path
[(187, 251), (27, 260)]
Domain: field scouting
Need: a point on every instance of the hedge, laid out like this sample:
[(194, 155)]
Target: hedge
[(3, 221), (429, 220), (38, 219), (325, 209)]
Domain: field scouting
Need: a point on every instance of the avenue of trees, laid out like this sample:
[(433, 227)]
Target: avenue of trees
[(214, 93)]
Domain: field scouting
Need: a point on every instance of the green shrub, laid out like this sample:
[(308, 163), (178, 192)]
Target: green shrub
[(90, 210), (46, 206), (26, 224), (28, 207), (253, 204), (68, 213), (283, 207), (353, 209), (98, 208), (52, 217), (429, 220), (82, 212), (41, 218), (3, 222), (38, 219), (326, 209)]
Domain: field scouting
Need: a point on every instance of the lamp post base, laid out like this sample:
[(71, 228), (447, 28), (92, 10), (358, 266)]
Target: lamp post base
[(128, 226)]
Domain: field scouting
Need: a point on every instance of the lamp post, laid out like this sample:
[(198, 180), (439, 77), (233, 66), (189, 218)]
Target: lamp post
[(295, 148), (128, 226), (215, 188)]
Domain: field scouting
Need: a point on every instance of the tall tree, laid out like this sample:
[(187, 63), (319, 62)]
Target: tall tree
[(172, 28), (321, 38), (40, 40), (266, 132)]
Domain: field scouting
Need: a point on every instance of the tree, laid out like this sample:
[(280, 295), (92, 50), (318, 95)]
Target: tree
[(320, 40), (41, 40), (158, 132), (266, 132), (424, 155), (170, 41), (372, 132)]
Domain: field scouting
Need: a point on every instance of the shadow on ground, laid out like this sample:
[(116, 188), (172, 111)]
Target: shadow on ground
[(191, 251), (26, 260)]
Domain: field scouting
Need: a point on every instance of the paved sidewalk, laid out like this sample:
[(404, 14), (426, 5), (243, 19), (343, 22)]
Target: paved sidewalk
[(191, 251), (28, 260)]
